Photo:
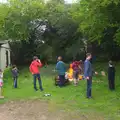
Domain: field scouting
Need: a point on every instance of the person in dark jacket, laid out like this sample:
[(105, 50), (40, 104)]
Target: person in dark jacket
[(88, 74), (111, 76), (15, 75)]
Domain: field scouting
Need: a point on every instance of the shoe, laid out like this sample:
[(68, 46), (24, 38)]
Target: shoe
[(89, 97), (41, 89), (36, 89)]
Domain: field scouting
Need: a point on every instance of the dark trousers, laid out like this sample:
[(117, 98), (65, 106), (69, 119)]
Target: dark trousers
[(15, 81), (76, 74), (37, 77), (111, 84), (61, 80), (89, 87)]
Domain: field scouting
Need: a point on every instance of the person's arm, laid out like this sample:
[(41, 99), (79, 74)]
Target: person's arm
[(114, 70), (87, 70), (12, 71), (65, 67), (18, 71), (94, 72), (57, 66), (39, 63), (79, 66)]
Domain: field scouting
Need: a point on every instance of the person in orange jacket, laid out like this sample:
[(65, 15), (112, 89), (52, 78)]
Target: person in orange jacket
[(34, 69)]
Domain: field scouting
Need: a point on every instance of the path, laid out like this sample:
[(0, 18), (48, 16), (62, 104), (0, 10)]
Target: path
[(38, 110)]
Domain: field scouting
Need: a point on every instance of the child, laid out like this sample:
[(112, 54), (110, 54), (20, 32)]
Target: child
[(76, 71), (111, 76), (1, 83), (15, 75)]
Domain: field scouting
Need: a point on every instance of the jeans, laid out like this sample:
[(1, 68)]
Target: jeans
[(89, 87), (35, 77), (15, 81), (61, 80), (111, 84)]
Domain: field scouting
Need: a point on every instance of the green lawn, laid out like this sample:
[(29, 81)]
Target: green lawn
[(104, 102)]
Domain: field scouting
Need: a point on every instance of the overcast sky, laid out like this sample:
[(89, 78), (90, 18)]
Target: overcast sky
[(68, 1), (2, 0)]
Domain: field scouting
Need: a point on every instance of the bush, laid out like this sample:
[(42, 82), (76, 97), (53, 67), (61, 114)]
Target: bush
[(7, 75)]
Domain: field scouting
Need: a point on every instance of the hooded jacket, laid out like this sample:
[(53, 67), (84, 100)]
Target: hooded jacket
[(34, 67)]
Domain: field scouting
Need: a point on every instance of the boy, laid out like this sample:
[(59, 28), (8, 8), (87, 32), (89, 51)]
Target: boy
[(15, 75), (111, 76), (34, 69)]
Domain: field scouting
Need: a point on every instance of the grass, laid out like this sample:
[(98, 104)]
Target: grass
[(105, 102)]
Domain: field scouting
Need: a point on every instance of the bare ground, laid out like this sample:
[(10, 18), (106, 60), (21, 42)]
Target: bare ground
[(39, 110)]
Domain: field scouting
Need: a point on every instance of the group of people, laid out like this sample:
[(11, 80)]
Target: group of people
[(75, 67), (61, 69), (88, 73)]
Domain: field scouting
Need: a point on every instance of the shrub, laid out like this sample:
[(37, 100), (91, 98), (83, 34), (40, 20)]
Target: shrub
[(7, 76)]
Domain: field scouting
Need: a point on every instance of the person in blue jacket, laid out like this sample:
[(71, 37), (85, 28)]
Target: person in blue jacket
[(61, 69), (88, 71)]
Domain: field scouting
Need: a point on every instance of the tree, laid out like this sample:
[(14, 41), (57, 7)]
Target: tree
[(95, 16)]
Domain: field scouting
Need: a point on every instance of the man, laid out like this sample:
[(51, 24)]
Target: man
[(88, 74), (34, 69), (61, 71)]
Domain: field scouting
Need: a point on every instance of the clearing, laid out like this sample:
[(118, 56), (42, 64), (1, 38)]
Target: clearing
[(67, 103)]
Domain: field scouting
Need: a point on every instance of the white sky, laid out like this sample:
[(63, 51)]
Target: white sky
[(3, 0), (68, 1)]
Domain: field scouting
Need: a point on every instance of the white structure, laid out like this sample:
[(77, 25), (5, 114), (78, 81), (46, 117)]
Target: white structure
[(4, 54)]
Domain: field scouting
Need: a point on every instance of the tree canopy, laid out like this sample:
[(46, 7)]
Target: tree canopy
[(51, 28)]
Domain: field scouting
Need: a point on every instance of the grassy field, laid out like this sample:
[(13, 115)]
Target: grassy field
[(70, 98)]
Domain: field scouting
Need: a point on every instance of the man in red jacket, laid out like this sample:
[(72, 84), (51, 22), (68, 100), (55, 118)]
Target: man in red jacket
[(34, 69)]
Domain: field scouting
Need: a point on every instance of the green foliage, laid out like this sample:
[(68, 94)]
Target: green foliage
[(4, 10), (7, 75), (95, 16), (61, 29), (19, 17), (65, 27)]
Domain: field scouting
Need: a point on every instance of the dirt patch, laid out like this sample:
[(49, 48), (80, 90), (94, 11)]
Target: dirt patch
[(39, 110)]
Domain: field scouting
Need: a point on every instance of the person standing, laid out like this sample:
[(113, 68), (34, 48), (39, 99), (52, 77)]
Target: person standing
[(88, 73), (15, 75), (111, 76), (76, 71), (34, 69), (1, 83), (61, 69)]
